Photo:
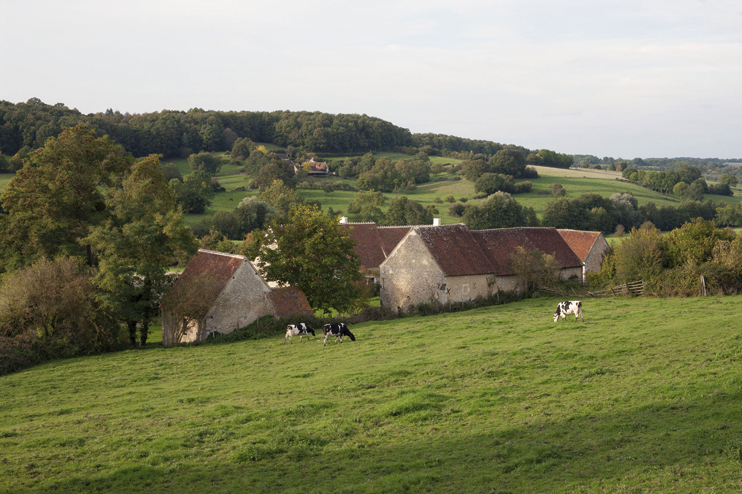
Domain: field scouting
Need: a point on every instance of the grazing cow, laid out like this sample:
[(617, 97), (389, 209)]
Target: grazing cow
[(338, 330), (569, 307), (300, 330)]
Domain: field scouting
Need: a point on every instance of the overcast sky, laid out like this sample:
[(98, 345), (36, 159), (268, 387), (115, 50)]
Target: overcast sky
[(629, 78)]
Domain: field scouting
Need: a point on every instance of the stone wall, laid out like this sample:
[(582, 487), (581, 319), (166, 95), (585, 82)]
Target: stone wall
[(410, 275), (244, 299), (595, 258)]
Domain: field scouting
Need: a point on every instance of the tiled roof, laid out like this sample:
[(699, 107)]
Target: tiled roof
[(391, 236), (498, 246), (289, 300), (580, 242), (454, 249), (211, 269), (368, 246), (549, 241)]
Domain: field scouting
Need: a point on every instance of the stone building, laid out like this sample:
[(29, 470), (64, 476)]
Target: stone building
[(374, 243), (590, 247), (453, 264), (219, 293)]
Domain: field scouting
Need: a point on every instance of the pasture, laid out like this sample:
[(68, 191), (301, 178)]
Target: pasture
[(641, 397)]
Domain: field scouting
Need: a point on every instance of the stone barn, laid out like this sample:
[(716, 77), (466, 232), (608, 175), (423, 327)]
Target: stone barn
[(590, 247), (453, 264), (374, 243), (219, 293)]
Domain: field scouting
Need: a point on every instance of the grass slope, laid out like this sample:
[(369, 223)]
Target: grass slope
[(641, 397)]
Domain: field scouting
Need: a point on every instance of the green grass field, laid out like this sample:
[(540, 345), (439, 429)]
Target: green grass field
[(644, 396), (4, 180)]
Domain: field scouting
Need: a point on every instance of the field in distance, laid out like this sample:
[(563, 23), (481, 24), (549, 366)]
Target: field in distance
[(499, 399)]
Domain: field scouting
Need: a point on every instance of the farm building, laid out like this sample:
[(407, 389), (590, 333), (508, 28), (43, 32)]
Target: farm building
[(218, 293), (374, 243), (590, 247), (453, 264)]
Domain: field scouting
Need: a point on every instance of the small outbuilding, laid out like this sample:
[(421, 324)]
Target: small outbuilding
[(590, 247), (219, 293)]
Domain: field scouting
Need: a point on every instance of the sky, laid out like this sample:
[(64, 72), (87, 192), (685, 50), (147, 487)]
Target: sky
[(629, 78)]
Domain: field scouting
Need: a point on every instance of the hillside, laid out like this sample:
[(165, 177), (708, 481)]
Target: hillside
[(575, 181), (641, 397)]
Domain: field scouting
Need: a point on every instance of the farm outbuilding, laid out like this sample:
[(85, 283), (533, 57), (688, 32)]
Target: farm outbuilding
[(590, 247), (454, 264), (219, 293)]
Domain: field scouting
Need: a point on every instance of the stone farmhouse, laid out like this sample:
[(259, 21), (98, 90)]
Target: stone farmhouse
[(374, 244), (590, 247), (313, 167), (219, 293), (454, 264)]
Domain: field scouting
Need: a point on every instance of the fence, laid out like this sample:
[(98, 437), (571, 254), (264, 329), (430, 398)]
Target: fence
[(633, 288)]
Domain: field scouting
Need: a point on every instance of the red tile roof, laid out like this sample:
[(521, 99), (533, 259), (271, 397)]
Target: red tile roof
[(549, 241), (454, 249), (211, 269), (391, 236), (288, 301), (580, 242), (368, 246)]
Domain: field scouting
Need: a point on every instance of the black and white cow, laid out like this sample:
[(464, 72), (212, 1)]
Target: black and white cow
[(300, 330), (569, 307), (338, 330)]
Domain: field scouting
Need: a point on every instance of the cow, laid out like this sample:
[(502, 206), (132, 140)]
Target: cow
[(338, 330), (569, 307), (300, 330)]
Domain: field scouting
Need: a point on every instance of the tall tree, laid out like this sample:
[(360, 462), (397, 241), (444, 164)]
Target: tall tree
[(142, 236), (54, 200), (312, 253)]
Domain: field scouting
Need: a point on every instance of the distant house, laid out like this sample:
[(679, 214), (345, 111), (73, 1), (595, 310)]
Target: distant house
[(590, 247), (453, 264), (219, 293), (313, 167)]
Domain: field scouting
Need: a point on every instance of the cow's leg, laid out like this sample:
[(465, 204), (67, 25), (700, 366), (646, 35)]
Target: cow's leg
[(326, 336)]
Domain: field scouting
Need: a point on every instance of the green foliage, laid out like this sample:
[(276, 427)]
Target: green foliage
[(367, 205), (546, 157), (508, 161), (489, 183), (142, 236), (403, 211), (194, 194), (241, 148), (53, 201), (281, 197), (250, 214), (694, 241), (272, 171), (500, 210), (383, 176), (205, 162), (312, 253), (171, 171)]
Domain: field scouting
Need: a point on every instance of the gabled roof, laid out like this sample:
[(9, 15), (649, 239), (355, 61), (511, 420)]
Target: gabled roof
[(549, 241), (391, 236), (455, 250), (368, 247), (288, 301), (499, 244), (211, 269), (580, 242)]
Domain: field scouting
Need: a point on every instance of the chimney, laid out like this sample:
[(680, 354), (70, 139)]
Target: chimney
[(436, 222), (343, 220)]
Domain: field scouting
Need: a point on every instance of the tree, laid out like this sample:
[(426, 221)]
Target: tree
[(171, 171), (280, 197), (557, 190), (205, 162), (272, 171), (508, 162), (54, 200), (403, 211), (473, 169), (728, 179), (194, 193), (241, 148), (489, 183), (311, 253), (534, 267), (54, 300), (143, 235), (500, 210)]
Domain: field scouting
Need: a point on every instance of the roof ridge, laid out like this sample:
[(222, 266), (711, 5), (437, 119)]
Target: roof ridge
[(216, 252)]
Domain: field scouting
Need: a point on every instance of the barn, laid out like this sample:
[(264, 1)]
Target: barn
[(590, 247), (453, 264), (219, 293)]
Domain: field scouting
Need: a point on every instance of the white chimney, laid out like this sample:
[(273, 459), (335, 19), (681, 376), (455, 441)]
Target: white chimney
[(436, 222), (343, 220)]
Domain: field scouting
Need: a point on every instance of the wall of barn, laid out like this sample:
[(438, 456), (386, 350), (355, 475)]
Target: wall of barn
[(567, 273), (243, 300), (595, 258), (410, 275), (169, 329), (509, 283), (464, 288)]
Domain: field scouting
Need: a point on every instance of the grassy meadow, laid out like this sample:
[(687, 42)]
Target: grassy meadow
[(644, 396)]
